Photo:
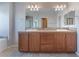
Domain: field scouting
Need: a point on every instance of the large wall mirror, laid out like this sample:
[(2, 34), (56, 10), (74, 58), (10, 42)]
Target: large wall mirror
[(31, 22), (44, 16), (69, 18)]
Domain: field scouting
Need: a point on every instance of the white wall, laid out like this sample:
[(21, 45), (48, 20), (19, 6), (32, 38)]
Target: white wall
[(12, 20), (4, 19), (7, 21), (19, 19), (11, 38)]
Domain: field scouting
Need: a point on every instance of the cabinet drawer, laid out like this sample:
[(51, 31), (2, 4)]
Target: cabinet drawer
[(47, 41), (47, 48), (47, 37)]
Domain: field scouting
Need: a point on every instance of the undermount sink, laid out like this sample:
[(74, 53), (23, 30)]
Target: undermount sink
[(62, 30)]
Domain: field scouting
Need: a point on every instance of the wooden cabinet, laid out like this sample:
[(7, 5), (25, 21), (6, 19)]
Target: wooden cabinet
[(23, 41), (48, 42), (53, 42), (60, 41), (71, 41), (34, 41)]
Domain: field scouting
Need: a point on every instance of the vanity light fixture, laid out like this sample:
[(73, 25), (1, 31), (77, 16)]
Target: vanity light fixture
[(60, 7), (33, 7), (28, 6)]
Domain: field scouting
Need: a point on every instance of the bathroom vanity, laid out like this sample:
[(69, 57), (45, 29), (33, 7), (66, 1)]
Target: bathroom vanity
[(47, 41)]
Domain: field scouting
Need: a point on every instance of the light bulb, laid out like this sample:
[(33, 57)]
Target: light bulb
[(28, 6), (57, 6), (64, 6), (36, 6), (61, 6)]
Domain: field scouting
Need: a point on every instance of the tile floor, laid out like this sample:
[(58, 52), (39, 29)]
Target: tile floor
[(13, 52)]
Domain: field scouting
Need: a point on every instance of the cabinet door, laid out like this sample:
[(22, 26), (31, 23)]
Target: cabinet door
[(48, 42), (71, 41), (60, 41), (23, 41), (34, 41)]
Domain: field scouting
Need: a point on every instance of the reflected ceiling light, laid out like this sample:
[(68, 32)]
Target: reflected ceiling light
[(60, 7), (28, 6), (64, 6), (36, 6), (33, 7), (57, 6)]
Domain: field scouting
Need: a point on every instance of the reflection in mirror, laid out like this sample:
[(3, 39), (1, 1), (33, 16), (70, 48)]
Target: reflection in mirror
[(31, 21), (69, 18), (45, 10)]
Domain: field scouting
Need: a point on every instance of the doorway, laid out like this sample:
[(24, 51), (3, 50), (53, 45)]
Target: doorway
[(44, 23)]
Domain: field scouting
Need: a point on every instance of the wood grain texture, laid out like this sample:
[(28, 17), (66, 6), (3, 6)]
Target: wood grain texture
[(71, 41), (34, 41), (60, 41), (23, 41), (48, 42)]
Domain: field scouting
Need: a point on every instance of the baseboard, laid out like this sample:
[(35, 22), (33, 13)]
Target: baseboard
[(77, 53)]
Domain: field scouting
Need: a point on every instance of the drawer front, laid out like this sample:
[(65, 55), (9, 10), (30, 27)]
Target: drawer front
[(47, 41), (47, 48), (47, 38)]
